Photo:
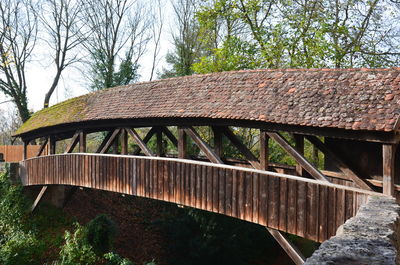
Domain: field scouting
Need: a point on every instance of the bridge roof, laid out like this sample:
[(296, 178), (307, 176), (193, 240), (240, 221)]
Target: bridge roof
[(352, 99)]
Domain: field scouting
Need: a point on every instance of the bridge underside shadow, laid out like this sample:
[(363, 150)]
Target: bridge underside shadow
[(308, 208)]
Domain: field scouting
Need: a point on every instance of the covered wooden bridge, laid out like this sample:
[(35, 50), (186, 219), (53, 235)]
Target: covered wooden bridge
[(351, 116)]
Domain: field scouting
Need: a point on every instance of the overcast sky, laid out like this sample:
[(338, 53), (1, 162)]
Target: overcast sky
[(73, 83)]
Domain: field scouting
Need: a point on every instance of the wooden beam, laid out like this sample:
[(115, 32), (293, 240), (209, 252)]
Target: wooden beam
[(339, 162), (146, 139), (52, 145), (388, 155), (115, 144), (110, 141), (140, 142), (38, 198), (124, 142), (299, 146), (42, 147), (25, 151), (105, 140), (217, 140), (315, 173), (170, 135), (204, 147), (159, 142), (182, 142), (72, 143), (82, 142), (241, 147), (264, 150), (289, 248)]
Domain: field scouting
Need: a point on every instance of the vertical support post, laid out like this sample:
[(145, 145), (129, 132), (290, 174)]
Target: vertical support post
[(299, 146), (52, 145), (116, 144), (159, 148), (182, 138), (82, 142), (124, 142), (217, 141), (264, 150), (25, 154), (388, 155)]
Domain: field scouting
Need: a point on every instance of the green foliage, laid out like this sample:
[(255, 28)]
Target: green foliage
[(100, 234), (199, 237), (115, 259), (21, 248), (76, 249)]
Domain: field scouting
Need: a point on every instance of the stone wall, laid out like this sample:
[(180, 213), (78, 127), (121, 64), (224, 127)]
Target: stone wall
[(369, 238)]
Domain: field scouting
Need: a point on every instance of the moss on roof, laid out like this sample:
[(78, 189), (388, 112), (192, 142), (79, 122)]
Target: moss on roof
[(65, 112)]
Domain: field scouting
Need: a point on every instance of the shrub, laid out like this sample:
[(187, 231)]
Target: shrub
[(115, 259), (21, 248), (76, 249), (101, 232)]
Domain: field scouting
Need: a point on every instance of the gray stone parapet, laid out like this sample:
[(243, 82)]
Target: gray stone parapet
[(369, 238)]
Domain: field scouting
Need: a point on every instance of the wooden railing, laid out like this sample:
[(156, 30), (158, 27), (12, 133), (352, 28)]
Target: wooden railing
[(309, 208), (15, 153)]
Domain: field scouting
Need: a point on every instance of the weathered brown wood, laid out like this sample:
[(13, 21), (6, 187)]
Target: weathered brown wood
[(140, 142), (146, 139), (388, 156), (309, 208), (42, 147), (110, 141), (289, 248), (298, 157), (182, 142), (124, 142), (25, 151), (264, 150), (52, 145), (170, 135), (38, 198), (241, 147), (217, 140), (339, 162), (159, 142), (299, 146), (82, 142), (207, 150)]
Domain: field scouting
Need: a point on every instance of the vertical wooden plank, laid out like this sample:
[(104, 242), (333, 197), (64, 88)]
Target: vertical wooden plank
[(263, 207), (159, 143), (291, 206), (172, 183), (188, 175), (388, 156), (166, 180), (204, 187), (256, 196), (301, 208), (192, 185), (209, 188), (349, 204), (283, 208), (340, 207), (312, 211), (178, 189), (241, 195), (221, 188), (215, 189), (198, 186), (323, 214), (248, 196), (235, 193), (264, 150), (273, 202), (228, 191)]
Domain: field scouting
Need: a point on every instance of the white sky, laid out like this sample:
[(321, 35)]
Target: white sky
[(73, 83)]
